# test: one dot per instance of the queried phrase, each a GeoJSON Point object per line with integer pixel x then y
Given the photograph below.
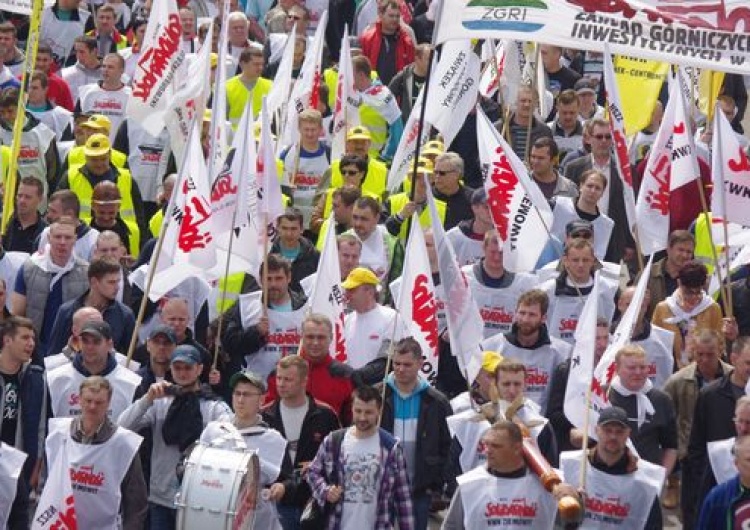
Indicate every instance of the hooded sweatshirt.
{"type": "Point", "coordinates": [405, 419]}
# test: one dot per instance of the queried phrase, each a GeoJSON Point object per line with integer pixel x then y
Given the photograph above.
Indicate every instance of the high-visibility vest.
{"type": "Point", "coordinates": [154, 224]}
{"type": "Point", "coordinates": [399, 200]}
{"type": "Point", "coordinates": [77, 158]}
{"type": "Point", "coordinates": [703, 252]}
{"type": "Point", "coordinates": [375, 181]}
{"type": "Point", "coordinates": [81, 186]}
{"type": "Point", "coordinates": [238, 94]}
{"type": "Point", "coordinates": [233, 286]}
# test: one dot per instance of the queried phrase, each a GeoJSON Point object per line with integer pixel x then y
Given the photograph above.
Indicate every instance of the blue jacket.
{"type": "Point", "coordinates": [119, 317]}
{"type": "Point", "coordinates": [716, 512]}
{"type": "Point", "coordinates": [32, 414]}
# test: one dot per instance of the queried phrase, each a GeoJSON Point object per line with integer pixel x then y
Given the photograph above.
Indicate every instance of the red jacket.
{"type": "Point", "coordinates": [373, 36]}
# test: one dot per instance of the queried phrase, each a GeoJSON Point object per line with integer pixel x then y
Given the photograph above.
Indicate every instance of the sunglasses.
{"type": "Point", "coordinates": [603, 136]}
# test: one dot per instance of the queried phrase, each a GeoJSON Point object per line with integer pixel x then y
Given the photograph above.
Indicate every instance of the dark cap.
{"type": "Point", "coordinates": [97, 328]}
{"type": "Point", "coordinates": [186, 354]}
{"type": "Point", "coordinates": [586, 84]}
{"type": "Point", "coordinates": [248, 377]}
{"type": "Point", "coordinates": [579, 225]}
{"type": "Point", "coordinates": [164, 330]}
{"type": "Point", "coordinates": [613, 415]}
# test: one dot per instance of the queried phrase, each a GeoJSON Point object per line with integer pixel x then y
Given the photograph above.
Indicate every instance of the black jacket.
{"type": "Point", "coordinates": [433, 439]}
{"type": "Point", "coordinates": [305, 264]}
{"type": "Point", "coordinates": [319, 421]}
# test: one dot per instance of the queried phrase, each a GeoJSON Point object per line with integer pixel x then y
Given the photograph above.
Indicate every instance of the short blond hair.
{"type": "Point", "coordinates": [96, 383]}
{"type": "Point", "coordinates": [630, 350]}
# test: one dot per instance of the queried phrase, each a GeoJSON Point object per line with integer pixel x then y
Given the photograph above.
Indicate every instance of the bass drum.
{"type": "Point", "coordinates": [219, 490]}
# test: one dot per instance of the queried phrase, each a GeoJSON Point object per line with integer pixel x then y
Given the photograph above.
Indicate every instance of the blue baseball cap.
{"type": "Point", "coordinates": [186, 354]}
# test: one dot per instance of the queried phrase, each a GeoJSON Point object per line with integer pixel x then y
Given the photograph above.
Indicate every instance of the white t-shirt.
{"type": "Point", "coordinates": [365, 333]}
{"type": "Point", "coordinates": [362, 475]}
{"type": "Point", "coordinates": [292, 418]}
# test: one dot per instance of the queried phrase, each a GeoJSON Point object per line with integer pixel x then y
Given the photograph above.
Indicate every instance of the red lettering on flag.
{"type": "Point", "coordinates": [154, 60]}
{"type": "Point", "coordinates": [500, 194]}
{"type": "Point", "coordinates": [424, 310]}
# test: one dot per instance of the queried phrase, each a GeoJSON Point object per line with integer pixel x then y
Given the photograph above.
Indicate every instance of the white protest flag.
{"type": "Point", "coordinates": [417, 302]}
{"type": "Point", "coordinates": [582, 365]}
{"type": "Point", "coordinates": [161, 56]}
{"type": "Point", "coordinates": [453, 89]}
{"type": "Point", "coordinates": [652, 206]}
{"type": "Point", "coordinates": [544, 96]}
{"type": "Point", "coordinates": [56, 509]}
{"type": "Point", "coordinates": [684, 161]}
{"type": "Point", "coordinates": [511, 76]}
{"type": "Point", "coordinates": [519, 210]}
{"type": "Point", "coordinates": [494, 56]}
{"type": "Point", "coordinates": [328, 296]}
{"type": "Point", "coordinates": [465, 324]}
{"type": "Point", "coordinates": [605, 370]}
{"type": "Point", "coordinates": [305, 91]}
{"type": "Point", "coordinates": [619, 137]}
{"type": "Point", "coordinates": [218, 148]}
{"type": "Point", "coordinates": [407, 146]}
{"type": "Point", "coordinates": [236, 185]}
{"type": "Point", "coordinates": [22, 7]}
{"type": "Point", "coordinates": [271, 204]}
{"type": "Point", "coordinates": [189, 100]}
{"type": "Point", "coordinates": [188, 248]}
{"type": "Point", "coordinates": [730, 168]}
{"type": "Point", "coordinates": [346, 109]}
{"type": "Point", "coordinates": [282, 81]}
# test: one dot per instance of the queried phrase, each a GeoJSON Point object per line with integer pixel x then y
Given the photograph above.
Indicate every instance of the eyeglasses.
{"type": "Point", "coordinates": [602, 136]}
{"type": "Point", "coordinates": [244, 395]}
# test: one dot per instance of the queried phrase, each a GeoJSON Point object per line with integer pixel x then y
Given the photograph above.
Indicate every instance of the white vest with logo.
{"type": "Point", "coordinates": [722, 461]}
{"type": "Point", "coordinates": [498, 306]}
{"type": "Point", "coordinates": [147, 159]}
{"type": "Point", "coordinates": [540, 364]}
{"type": "Point", "coordinates": [492, 502]}
{"type": "Point", "coordinates": [65, 381]}
{"type": "Point", "coordinates": [615, 501]}
{"type": "Point", "coordinates": [60, 35]}
{"type": "Point", "coordinates": [31, 155]}
{"type": "Point", "coordinates": [11, 465]}
{"type": "Point", "coordinates": [658, 347]}
{"type": "Point", "coordinates": [565, 212]}
{"type": "Point", "coordinates": [305, 182]}
{"type": "Point", "coordinates": [96, 472]}
{"type": "Point", "coordinates": [564, 311]}
{"type": "Point", "coordinates": [111, 103]}
{"type": "Point", "coordinates": [468, 251]}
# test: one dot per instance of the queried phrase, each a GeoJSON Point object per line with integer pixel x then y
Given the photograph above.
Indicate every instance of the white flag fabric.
{"type": "Point", "coordinates": [236, 184]}
{"type": "Point", "coordinates": [494, 57]}
{"type": "Point", "coordinates": [519, 210]}
{"type": "Point", "coordinates": [582, 365]}
{"type": "Point", "coordinates": [272, 202]}
{"type": "Point", "coordinates": [282, 81]}
{"type": "Point", "coordinates": [619, 137]}
{"type": "Point", "coordinates": [511, 76]}
{"type": "Point", "coordinates": [652, 207]}
{"type": "Point", "coordinates": [189, 100]}
{"type": "Point", "coordinates": [305, 91]}
{"type": "Point", "coordinates": [453, 88]}
{"type": "Point", "coordinates": [218, 148]}
{"type": "Point", "coordinates": [684, 161]}
{"type": "Point", "coordinates": [465, 324]}
{"type": "Point", "coordinates": [605, 370]}
{"type": "Point", "coordinates": [417, 302]}
{"type": "Point", "coordinates": [11, 467]}
{"type": "Point", "coordinates": [407, 146]}
{"type": "Point", "coordinates": [188, 248]}
{"type": "Point", "coordinates": [327, 297]}
{"type": "Point", "coordinates": [730, 169]}
{"type": "Point", "coordinates": [56, 509]}
{"type": "Point", "coordinates": [346, 109]}
{"type": "Point", "coordinates": [161, 56]}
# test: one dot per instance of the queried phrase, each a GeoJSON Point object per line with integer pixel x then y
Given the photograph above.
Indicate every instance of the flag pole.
{"type": "Point", "coordinates": [534, 88]}
{"type": "Point", "coordinates": [11, 179]}
{"type": "Point", "coordinates": [223, 297]}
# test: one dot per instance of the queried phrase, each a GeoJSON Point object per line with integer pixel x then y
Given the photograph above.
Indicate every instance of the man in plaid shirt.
{"type": "Point", "coordinates": [361, 472]}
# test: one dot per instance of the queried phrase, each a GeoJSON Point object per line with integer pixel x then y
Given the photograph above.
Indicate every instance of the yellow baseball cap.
{"type": "Point", "coordinates": [360, 276]}
{"type": "Point", "coordinates": [360, 132]}
{"type": "Point", "coordinates": [490, 360]}
{"type": "Point", "coordinates": [97, 145]}
{"type": "Point", "coordinates": [434, 147]}
{"type": "Point", "coordinates": [99, 122]}
{"type": "Point", "coordinates": [424, 165]}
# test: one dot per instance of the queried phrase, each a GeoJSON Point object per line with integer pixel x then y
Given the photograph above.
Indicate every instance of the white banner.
{"type": "Point", "coordinates": [519, 210]}
{"type": "Point", "coordinates": [407, 146]}
{"type": "Point", "coordinates": [417, 303]}
{"type": "Point", "coordinates": [22, 7]}
{"type": "Point", "coordinates": [346, 109]}
{"type": "Point", "coordinates": [453, 89]}
{"type": "Point", "coordinates": [714, 34]}
{"type": "Point", "coordinates": [161, 56]}
{"type": "Point", "coordinates": [328, 296]}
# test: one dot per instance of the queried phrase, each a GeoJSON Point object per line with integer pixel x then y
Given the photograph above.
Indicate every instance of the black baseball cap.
{"type": "Point", "coordinates": [98, 329]}
{"type": "Point", "coordinates": [613, 415]}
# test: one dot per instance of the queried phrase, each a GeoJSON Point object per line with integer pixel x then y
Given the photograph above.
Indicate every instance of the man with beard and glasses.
{"type": "Point", "coordinates": [531, 343]}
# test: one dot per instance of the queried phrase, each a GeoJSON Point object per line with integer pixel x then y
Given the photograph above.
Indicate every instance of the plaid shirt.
{"type": "Point", "coordinates": [394, 496]}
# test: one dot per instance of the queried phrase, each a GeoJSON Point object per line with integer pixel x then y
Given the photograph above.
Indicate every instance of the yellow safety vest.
{"type": "Point", "coordinates": [81, 186]}
{"type": "Point", "coordinates": [378, 127]}
{"type": "Point", "coordinates": [331, 79]}
{"type": "Point", "coordinates": [134, 238]}
{"type": "Point", "coordinates": [77, 159]}
{"type": "Point", "coordinates": [375, 181]}
{"type": "Point", "coordinates": [399, 200]}
{"type": "Point", "coordinates": [238, 94]}
{"type": "Point", "coordinates": [233, 286]}
{"type": "Point", "coordinates": [702, 250]}
{"type": "Point", "coordinates": [154, 224]}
